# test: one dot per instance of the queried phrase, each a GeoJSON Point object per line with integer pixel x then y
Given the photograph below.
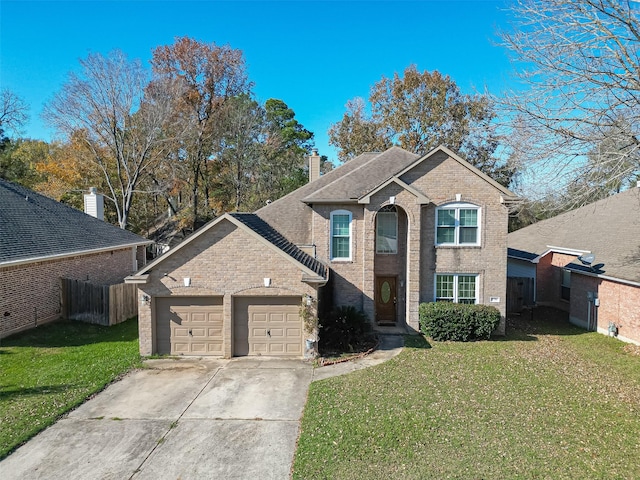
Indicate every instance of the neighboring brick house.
{"type": "Point", "coordinates": [41, 241]}
{"type": "Point", "coordinates": [587, 262]}
{"type": "Point", "coordinates": [383, 232]}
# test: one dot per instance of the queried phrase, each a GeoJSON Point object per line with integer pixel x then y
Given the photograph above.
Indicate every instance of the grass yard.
{"type": "Point", "coordinates": [47, 371]}
{"type": "Point", "coordinates": [548, 401]}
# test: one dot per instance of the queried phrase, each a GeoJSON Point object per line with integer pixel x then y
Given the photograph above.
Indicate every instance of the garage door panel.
{"type": "Point", "coordinates": [193, 325]}
{"type": "Point", "coordinates": [267, 326]}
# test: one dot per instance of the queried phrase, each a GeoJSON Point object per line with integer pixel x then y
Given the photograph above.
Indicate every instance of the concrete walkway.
{"type": "Point", "coordinates": [190, 418]}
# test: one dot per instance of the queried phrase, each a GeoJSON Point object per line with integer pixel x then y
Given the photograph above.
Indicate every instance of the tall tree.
{"type": "Point", "coordinates": [207, 75]}
{"type": "Point", "coordinates": [238, 154]}
{"type": "Point", "coordinates": [286, 145]}
{"type": "Point", "coordinates": [13, 112]}
{"type": "Point", "coordinates": [104, 107]}
{"type": "Point", "coordinates": [577, 119]}
{"type": "Point", "coordinates": [419, 111]}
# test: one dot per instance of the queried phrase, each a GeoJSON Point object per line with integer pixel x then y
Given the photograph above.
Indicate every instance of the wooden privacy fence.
{"type": "Point", "coordinates": [101, 304]}
{"type": "Point", "coordinates": [520, 293]}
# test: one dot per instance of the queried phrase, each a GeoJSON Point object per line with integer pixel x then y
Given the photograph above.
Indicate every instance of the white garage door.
{"type": "Point", "coordinates": [189, 325]}
{"type": "Point", "coordinates": [269, 326]}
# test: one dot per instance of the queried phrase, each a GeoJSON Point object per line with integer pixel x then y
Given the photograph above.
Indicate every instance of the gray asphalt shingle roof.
{"type": "Point", "coordinates": [33, 226]}
{"type": "Point", "coordinates": [266, 231]}
{"type": "Point", "coordinates": [609, 228]}
{"type": "Point", "coordinates": [366, 177]}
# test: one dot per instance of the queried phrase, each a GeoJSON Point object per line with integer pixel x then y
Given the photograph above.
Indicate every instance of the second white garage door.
{"type": "Point", "coordinates": [269, 326]}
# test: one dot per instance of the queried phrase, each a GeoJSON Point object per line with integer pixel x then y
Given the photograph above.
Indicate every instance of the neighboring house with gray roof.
{"type": "Point", "coordinates": [383, 232]}
{"type": "Point", "coordinates": [587, 262]}
{"type": "Point", "coordinates": [41, 241]}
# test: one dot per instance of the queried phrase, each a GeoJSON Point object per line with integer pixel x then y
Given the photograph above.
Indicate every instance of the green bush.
{"type": "Point", "coordinates": [343, 329]}
{"type": "Point", "coordinates": [458, 322]}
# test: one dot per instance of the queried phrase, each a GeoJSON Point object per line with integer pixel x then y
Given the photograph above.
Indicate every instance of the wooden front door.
{"type": "Point", "coordinates": [386, 299]}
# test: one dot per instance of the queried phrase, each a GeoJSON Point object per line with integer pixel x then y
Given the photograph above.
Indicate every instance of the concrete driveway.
{"type": "Point", "coordinates": [179, 419]}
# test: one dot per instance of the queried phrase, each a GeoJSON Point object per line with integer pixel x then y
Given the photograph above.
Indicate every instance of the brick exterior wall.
{"type": "Point", "coordinates": [549, 280]}
{"type": "Point", "coordinates": [618, 304]}
{"type": "Point", "coordinates": [440, 178]}
{"type": "Point", "coordinates": [30, 293]}
{"type": "Point", "coordinates": [225, 261]}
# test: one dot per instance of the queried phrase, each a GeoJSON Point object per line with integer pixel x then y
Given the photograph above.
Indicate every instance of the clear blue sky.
{"type": "Point", "coordinates": [312, 55]}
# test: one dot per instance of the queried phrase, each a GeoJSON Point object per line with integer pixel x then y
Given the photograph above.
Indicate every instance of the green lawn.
{"type": "Point", "coordinates": [47, 371]}
{"type": "Point", "coordinates": [548, 401]}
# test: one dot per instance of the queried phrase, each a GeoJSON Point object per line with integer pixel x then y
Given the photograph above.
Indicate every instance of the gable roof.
{"type": "Point", "coordinates": [353, 182]}
{"type": "Point", "coordinates": [508, 194]}
{"type": "Point", "coordinates": [608, 228]}
{"type": "Point", "coordinates": [35, 228]}
{"type": "Point", "coordinates": [259, 229]}
{"type": "Point", "coordinates": [358, 182]}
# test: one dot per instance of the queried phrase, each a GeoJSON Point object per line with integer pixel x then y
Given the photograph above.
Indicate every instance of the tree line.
{"type": "Point", "coordinates": [190, 137]}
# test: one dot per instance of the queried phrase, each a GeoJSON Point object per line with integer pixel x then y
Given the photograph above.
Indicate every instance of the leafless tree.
{"type": "Point", "coordinates": [105, 105]}
{"type": "Point", "coordinates": [575, 124]}
{"type": "Point", "coordinates": [13, 113]}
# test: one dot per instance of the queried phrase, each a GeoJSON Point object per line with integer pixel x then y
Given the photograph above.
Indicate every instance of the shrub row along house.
{"type": "Point", "coordinates": [586, 262]}
{"type": "Point", "coordinates": [42, 241]}
{"type": "Point", "coordinates": [383, 232]}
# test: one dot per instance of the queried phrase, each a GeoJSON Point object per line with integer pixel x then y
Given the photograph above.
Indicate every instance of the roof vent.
{"type": "Point", "coordinates": [94, 204]}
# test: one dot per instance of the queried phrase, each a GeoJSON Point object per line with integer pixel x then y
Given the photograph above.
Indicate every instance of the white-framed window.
{"type": "Point", "coordinates": [458, 288]}
{"type": "Point", "coordinates": [565, 287]}
{"type": "Point", "coordinates": [458, 224]}
{"type": "Point", "coordinates": [387, 230]}
{"type": "Point", "coordinates": [340, 245]}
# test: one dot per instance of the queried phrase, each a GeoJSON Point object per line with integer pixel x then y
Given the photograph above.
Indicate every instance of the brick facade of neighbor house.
{"type": "Point", "coordinates": [596, 248]}
{"type": "Point", "coordinates": [617, 303]}
{"type": "Point", "coordinates": [42, 241]}
{"type": "Point", "coordinates": [30, 293]}
{"type": "Point", "coordinates": [549, 279]}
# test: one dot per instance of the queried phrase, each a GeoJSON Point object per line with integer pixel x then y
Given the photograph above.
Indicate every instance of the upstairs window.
{"type": "Point", "coordinates": [458, 224]}
{"type": "Point", "coordinates": [387, 230]}
{"type": "Point", "coordinates": [457, 288]}
{"type": "Point", "coordinates": [340, 235]}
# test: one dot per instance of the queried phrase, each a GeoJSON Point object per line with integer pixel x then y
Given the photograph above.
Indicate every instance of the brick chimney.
{"type": "Point", "coordinates": [94, 204]}
{"type": "Point", "coordinates": [314, 165]}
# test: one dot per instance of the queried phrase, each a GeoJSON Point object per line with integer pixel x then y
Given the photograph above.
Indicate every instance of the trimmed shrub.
{"type": "Point", "coordinates": [458, 322]}
{"type": "Point", "coordinates": [343, 329]}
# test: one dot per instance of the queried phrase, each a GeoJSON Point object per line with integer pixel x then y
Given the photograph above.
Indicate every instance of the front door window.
{"type": "Point", "coordinates": [386, 300]}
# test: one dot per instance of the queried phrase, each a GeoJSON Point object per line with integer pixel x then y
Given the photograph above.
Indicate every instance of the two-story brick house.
{"type": "Point", "coordinates": [383, 232]}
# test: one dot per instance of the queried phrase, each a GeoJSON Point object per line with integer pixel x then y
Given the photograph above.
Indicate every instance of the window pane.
{"type": "Point", "coordinates": [447, 217]}
{"type": "Point", "coordinates": [468, 234]}
{"type": "Point", "coordinates": [341, 225]}
{"type": "Point", "coordinates": [466, 287]}
{"type": "Point", "coordinates": [446, 235]}
{"type": "Point", "coordinates": [387, 233]}
{"type": "Point", "coordinates": [340, 247]}
{"type": "Point", "coordinates": [468, 218]}
{"type": "Point", "coordinates": [444, 287]}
